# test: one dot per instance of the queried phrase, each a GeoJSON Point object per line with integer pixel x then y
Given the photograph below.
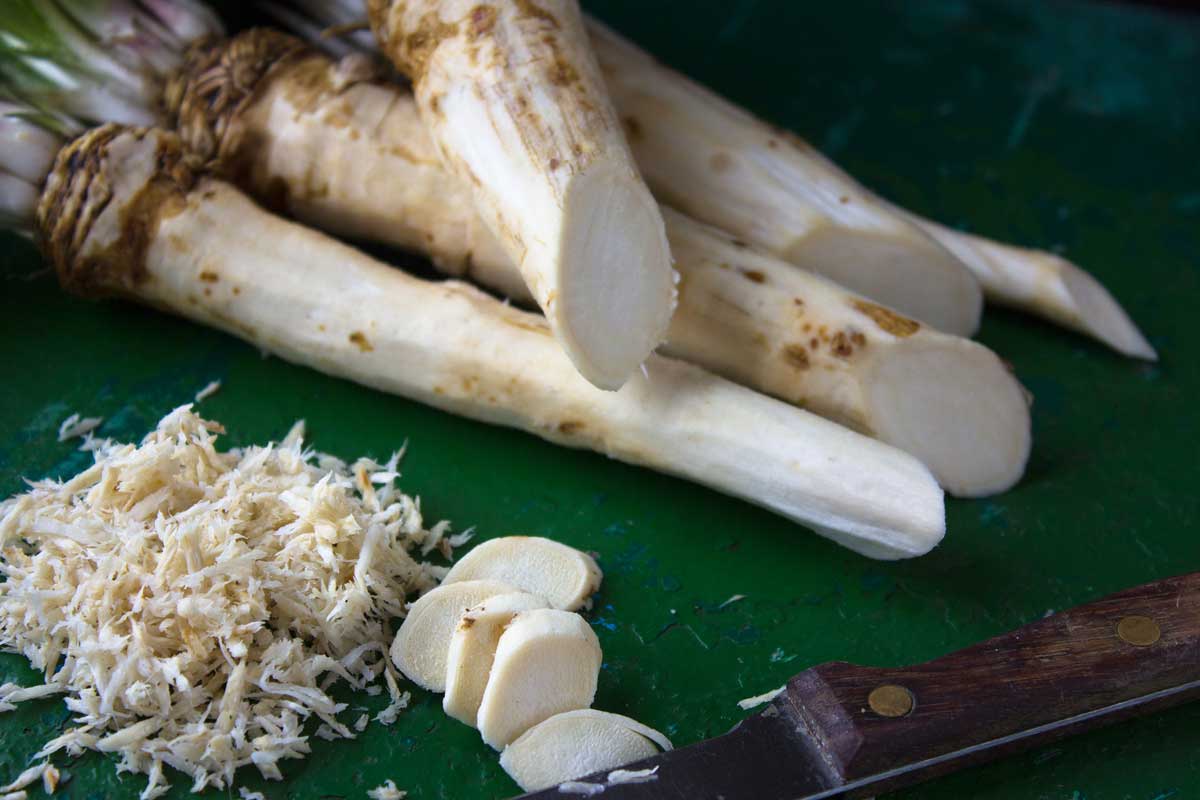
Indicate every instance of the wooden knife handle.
{"type": "Point", "coordinates": [1078, 662]}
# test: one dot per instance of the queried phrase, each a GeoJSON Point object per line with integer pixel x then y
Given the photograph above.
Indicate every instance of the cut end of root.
{"type": "Point", "coordinates": [957, 408]}
{"type": "Point", "coordinates": [616, 285]}
{"type": "Point", "coordinates": [905, 270]}
{"type": "Point", "coordinates": [1101, 316]}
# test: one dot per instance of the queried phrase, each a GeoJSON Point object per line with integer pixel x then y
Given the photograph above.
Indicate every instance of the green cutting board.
{"type": "Point", "coordinates": [1072, 126]}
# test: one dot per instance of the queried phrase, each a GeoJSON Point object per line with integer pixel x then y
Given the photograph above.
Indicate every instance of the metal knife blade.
{"type": "Point", "coordinates": [839, 730]}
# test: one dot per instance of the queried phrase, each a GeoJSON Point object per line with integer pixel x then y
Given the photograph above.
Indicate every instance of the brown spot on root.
{"type": "Point", "coordinates": [797, 302]}
{"type": "Point", "coordinates": [563, 72]}
{"type": "Point", "coordinates": [321, 328]}
{"type": "Point", "coordinates": [720, 162]}
{"type": "Point", "coordinates": [807, 327]}
{"type": "Point", "coordinates": [796, 356]}
{"type": "Point", "coordinates": [237, 290]}
{"type": "Point", "coordinates": [360, 341]}
{"type": "Point", "coordinates": [482, 20]}
{"type": "Point", "coordinates": [814, 343]}
{"type": "Point", "coordinates": [415, 49]}
{"type": "Point", "coordinates": [554, 163]}
{"type": "Point", "coordinates": [209, 276]}
{"type": "Point", "coordinates": [857, 339]}
{"type": "Point", "coordinates": [888, 320]}
{"type": "Point", "coordinates": [466, 623]}
{"type": "Point", "coordinates": [633, 128]}
{"type": "Point", "coordinates": [738, 243]}
{"type": "Point", "coordinates": [79, 189]}
{"type": "Point", "coordinates": [207, 292]}
{"type": "Point", "coordinates": [753, 275]}
{"type": "Point", "coordinates": [843, 199]}
{"type": "Point", "coordinates": [772, 143]}
{"type": "Point", "coordinates": [841, 346]}
{"type": "Point", "coordinates": [527, 8]}
{"type": "Point", "coordinates": [570, 426]}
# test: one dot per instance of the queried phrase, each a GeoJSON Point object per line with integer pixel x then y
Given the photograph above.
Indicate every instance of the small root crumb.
{"type": "Point", "coordinates": [211, 388]}
{"type": "Point", "coordinates": [387, 791]}
{"type": "Point", "coordinates": [632, 775]}
{"type": "Point", "coordinates": [73, 427]}
{"type": "Point", "coordinates": [758, 700]}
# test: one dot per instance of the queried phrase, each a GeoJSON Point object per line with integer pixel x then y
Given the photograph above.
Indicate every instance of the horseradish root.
{"type": "Point", "coordinates": [564, 576]}
{"type": "Point", "coordinates": [473, 647]}
{"type": "Point", "coordinates": [122, 214]}
{"type": "Point", "coordinates": [949, 401]}
{"type": "Point", "coordinates": [345, 152]}
{"type": "Point", "coordinates": [514, 100]}
{"type": "Point", "coordinates": [577, 743]}
{"type": "Point", "coordinates": [1047, 285]}
{"type": "Point", "coordinates": [547, 662]}
{"type": "Point", "coordinates": [423, 641]}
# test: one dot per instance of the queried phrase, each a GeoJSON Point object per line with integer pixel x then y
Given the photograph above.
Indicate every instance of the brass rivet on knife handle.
{"type": "Point", "coordinates": [1138, 630]}
{"type": "Point", "coordinates": [890, 700]}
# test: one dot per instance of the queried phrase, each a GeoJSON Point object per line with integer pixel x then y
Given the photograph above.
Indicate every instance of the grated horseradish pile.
{"type": "Point", "coordinates": [195, 606]}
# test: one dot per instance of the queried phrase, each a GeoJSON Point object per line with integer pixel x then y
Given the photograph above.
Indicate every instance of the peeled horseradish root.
{"type": "Point", "coordinates": [547, 661]}
{"type": "Point", "coordinates": [578, 743]}
{"type": "Point", "coordinates": [564, 576]}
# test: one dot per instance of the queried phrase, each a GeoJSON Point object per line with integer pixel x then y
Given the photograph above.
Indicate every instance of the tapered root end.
{"type": "Point", "coordinates": [905, 270]}
{"type": "Point", "coordinates": [1101, 316]}
{"type": "Point", "coordinates": [616, 287]}
{"type": "Point", "coordinates": [957, 408]}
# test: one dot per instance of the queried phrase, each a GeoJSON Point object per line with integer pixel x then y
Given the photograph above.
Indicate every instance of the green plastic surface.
{"type": "Point", "coordinates": [1066, 125]}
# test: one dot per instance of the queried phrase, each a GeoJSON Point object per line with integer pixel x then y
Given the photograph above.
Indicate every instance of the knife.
{"type": "Point", "coordinates": [841, 730]}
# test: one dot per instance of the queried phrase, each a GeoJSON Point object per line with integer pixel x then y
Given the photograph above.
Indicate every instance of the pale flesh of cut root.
{"type": "Point", "coordinates": [547, 662]}
{"type": "Point", "coordinates": [564, 576]}
{"type": "Point", "coordinates": [423, 641]}
{"type": "Point", "coordinates": [742, 314]}
{"type": "Point", "coordinates": [514, 100]}
{"type": "Point", "coordinates": [577, 743]}
{"type": "Point", "coordinates": [202, 250]}
{"type": "Point", "coordinates": [472, 648]}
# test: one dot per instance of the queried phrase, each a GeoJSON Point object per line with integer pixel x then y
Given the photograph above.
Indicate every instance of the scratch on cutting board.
{"type": "Point", "coordinates": [1041, 87]}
